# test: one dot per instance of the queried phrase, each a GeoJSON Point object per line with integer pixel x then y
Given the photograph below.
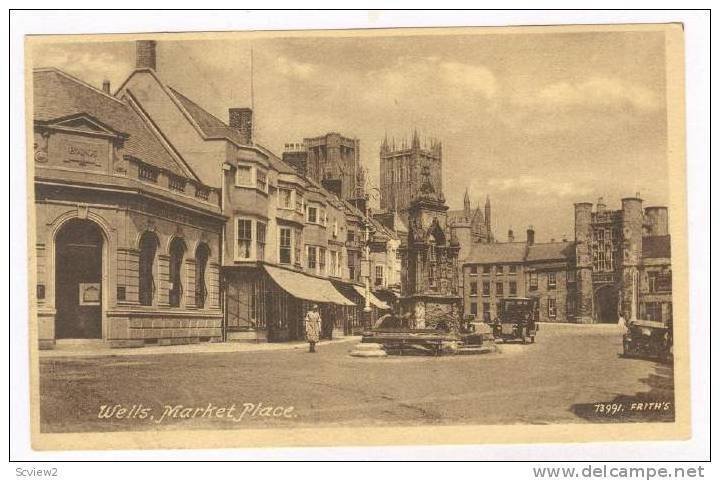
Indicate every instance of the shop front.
{"type": "Point", "coordinates": [269, 303]}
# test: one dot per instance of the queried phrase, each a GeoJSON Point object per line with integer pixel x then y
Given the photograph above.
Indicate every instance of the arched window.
{"type": "Point", "coordinates": [177, 255]}
{"type": "Point", "coordinates": [146, 286]}
{"type": "Point", "coordinates": [202, 253]}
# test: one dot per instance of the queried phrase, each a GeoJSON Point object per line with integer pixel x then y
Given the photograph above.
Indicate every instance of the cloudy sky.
{"type": "Point", "coordinates": [536, 121]}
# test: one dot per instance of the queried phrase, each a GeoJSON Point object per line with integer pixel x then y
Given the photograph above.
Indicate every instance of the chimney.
{"type": "Point", "coordinates": [511, 235]}
{"type": "Point", "coordinates": [106, 86]}
{"type": "Point", "coordinates": [241, 120]}
{"type": "Point", "coordinates": [530, 236]}
{"type": "Point", "coordinates": [145, 54]}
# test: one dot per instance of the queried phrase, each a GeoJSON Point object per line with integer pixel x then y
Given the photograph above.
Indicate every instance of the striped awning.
{"type": "Point", "coordinates": [306, 287]}
{"type": "Point", "coordinates": [373, 300]}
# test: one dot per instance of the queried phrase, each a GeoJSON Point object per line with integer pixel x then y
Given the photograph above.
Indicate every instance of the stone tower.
{"type": "Point", "coordinates": [583, 262]}
{"type": "Point", "coordinates": [400, 171]}
{"type": "Point", "coordinates": [466, 205]}
{"type": "Point", "coordinates": [488, 213]}
{"type": "Point", "coordinates": [632, 231]}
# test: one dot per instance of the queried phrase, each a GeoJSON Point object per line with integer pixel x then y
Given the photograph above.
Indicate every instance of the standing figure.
{"type": "Point", "coordinates": [313, 324]}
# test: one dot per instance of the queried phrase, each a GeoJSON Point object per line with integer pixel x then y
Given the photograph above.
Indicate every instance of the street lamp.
{"type": "Point", "coordinates": [366, 253]}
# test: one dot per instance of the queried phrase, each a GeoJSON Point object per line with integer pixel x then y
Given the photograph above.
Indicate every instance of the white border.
{"type": "Point", "coordinates": [697, 25]}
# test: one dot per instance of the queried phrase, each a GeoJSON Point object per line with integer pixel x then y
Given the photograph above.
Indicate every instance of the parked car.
{"type": "Point", "coordinates": [648, 339]}
{"type": "Point", "coordinates": [517, 320]}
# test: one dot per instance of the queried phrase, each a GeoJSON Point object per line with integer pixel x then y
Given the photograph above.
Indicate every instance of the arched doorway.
{"type": "Point", "coordinates": [78, 280]}
{"type": "Point", "coordinates": [606, 304]}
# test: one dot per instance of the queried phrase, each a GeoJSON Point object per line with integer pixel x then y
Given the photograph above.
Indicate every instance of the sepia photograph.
{"type": "Point", "coordinates": [343, 237]}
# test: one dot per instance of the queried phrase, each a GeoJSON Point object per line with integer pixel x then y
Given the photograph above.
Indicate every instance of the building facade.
{"type": "Point", "coordinates": [184, 214]}
{"type": "Point", "coordinates": [618, 264]}
{"type": "Point", "coordinates": [623, 262]}
{"type": "Point", "coordinates": [332, 160]}
{"type": "Point", "coordinates": [477, 220]}
{"type": "Point", "coordinates": [127, 234]}
{"type": "Point", "coordinates": [401, 168]}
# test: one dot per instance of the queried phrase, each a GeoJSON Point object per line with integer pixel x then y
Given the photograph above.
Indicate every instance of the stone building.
{"type": "Point", "coordinates": [491, 272]}
{"type": "Point", "coordinates": [619, 259]}
{"type": "Point", "coordinates": [193, 215]}
{"type": "Point", "coordinates": [127, 231]}
{"type": "Point", "coordinates": [430, 285]}
{"type": "Point", "coordinates": [332, 160]}
{"type": "Point", "coordinates": [477, 220]}
{"type": "Point", "coordinates": [401, 168]}
{"type": "Point", "coordinates": [622, 261]}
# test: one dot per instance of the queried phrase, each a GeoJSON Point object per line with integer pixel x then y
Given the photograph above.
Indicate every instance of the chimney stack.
{"type": "Point", "coordinates": [145, 54]}
{"type": "Point", "coordinates": [106, 86]}
{"type": "Point", "coordinates": [530, 236]}
{"type": "Point", "coordinates": [511, 235]}
{"type": "Point", "coordinates": [241, 120]}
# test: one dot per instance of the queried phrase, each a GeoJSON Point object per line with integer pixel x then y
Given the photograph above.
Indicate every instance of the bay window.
{"type": "Point", "coordinates": [312, 257]}
{"type": "Point", "coordinates": [322, 258]}
{"type": "Point", "coordinates": [260, 231]}
{"type": "Point", "coordinates": [285, 245]}
{"type": "Point", "coordinates": [243, 176]}
{"type": "Point", "coordinates": [243, 248]}
{"type": "Point", "coordinates": [312, 215]}
{"type": "Point", "coordinates": [261, 180]}
{"type": "Point", "coordinates": [285, 198]}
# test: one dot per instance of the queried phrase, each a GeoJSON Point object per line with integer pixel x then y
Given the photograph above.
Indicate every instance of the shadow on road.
{"type": "Point", "coordinates": [655, 405]}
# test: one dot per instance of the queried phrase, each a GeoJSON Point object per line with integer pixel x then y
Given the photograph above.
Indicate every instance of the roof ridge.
{"type": "Point", "coordinates": [176, 92]}
{"type": "Point", "coordinates": [77, 80]}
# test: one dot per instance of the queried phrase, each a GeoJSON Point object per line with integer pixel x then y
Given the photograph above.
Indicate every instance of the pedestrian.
{"type": "Point", "coordinates": [622, 325]}
{"type": "Point", "coordinates": [313, 324]}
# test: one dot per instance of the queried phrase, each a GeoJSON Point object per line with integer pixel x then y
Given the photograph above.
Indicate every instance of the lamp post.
{"type": "Point", "coordinates": [366, 253]}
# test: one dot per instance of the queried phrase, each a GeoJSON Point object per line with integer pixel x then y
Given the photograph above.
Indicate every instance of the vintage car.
{"type": "Point", "coordinates": [648, 339]}
{"type": "Point", "coordinates": [517, 320]}
{"type": "Point", "coordinates": [398, 337]}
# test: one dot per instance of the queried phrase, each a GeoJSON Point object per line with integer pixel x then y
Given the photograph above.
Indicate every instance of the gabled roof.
{"type": "Point", "coordinates": [211, 126]}
{"type": "Point", "coordinates": [656, 246]}
{"type": "Point", "coordinates": [57, 95]}
{"type": "Point", "coordinates": [551, 251]}
{"type": "Point", "coordinates": [497, 253]}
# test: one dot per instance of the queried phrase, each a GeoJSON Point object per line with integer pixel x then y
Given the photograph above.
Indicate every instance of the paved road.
{"type": "Point", "coordinates": [557, 379]}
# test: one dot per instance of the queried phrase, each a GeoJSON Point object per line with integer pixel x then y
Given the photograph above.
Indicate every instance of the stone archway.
{"type": "Point", "coordinates": [79, 247]}
{"type": "Point", "coordinates": [606, 304]}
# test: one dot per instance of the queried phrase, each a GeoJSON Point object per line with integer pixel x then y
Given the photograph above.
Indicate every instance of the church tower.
{"type": "Point", "coordinates": [466, 202]}
{"type": "Point", "coordinates": [488, 219]}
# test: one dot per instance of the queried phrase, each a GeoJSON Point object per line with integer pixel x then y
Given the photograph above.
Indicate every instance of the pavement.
{"type": "Point", "coordinates": [96, 348]}
{"type": "Point", "coordinates": [562, 378]}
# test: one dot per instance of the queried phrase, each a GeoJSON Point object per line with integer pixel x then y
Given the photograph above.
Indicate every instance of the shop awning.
{"type": "Point", "coordinates": [373, 300]}
{"type": "Point", "coordinates": [307, 287]}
